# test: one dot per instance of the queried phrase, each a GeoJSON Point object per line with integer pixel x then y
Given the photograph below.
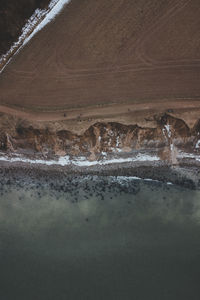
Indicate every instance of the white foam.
{"type": "Point", "coordinates": [188, 155]}
{"type": "Point", "coordinates": [80, 161]}
{"type": "Point", "coordinates": [57, 8]}
{"type": "Point", "coordinates": [139, 157]}
{"type": "Point", "coordinates": [125, 179]}
{"type": "Point", "coordinates": [61, 162]}
{"type": "Point", "coordinates": [39, 19]}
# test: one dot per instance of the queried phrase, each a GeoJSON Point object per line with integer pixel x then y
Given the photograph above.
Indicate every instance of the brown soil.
{"type": "Point", "coordinates": [131, 53]}
{"type": "Point", "coordinates": [78, 120]}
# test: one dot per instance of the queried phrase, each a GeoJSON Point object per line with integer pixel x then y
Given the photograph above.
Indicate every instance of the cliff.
{"type": "Point", "coordinates": [169, 135]}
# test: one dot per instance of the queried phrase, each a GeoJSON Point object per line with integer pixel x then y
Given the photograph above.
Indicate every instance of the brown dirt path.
{"type": "Point", "coordinates": [79, 119]}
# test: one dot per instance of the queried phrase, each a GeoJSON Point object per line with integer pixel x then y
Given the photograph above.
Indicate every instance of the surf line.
{"type": "Point", "coordinates": [39, 19]}
{"type": "Point", "coordinates": [81, 161]}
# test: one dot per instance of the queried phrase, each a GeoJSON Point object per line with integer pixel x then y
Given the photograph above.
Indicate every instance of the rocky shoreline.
{"type": "Point", "coordinates": [186, 174]}
{"type": "Point", "coordinates": [167, 152]}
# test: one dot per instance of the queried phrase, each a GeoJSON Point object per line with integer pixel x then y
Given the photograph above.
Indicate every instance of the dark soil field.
{"type": "Point", "coordinates": [105, 52]}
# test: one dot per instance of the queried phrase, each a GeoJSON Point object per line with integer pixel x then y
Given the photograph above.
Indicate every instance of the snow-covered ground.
{"type": "Point", "coordinates": [39, 19]}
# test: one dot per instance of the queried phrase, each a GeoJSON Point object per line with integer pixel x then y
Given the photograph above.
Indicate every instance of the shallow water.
{"type": "Point", "coordinates": [99, 238]}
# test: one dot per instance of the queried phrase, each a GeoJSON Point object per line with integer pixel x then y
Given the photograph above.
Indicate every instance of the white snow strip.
{"type": "Point", "coordinates": [81, 161]}
{"type": "Point", "coordinates": [39, 19]}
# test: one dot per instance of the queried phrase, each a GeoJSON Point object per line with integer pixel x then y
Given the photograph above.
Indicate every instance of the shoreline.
{"type": "Point", "coordinates": [186, 174]}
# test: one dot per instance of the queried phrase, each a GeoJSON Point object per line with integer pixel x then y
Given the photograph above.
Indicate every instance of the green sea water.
{"type": "Point", "coordinates": [99, 238]}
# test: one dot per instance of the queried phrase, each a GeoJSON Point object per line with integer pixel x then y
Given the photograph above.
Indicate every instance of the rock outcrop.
{"type": "Point", "coordinates": [167, 136]}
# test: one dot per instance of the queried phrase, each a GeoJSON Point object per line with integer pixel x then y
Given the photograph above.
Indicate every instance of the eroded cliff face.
{"type": "Point", "coordinates": [168, 135]}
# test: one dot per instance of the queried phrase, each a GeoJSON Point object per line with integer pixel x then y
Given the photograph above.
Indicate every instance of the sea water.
{"type": "Point", "coordinates": [99, 238]}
